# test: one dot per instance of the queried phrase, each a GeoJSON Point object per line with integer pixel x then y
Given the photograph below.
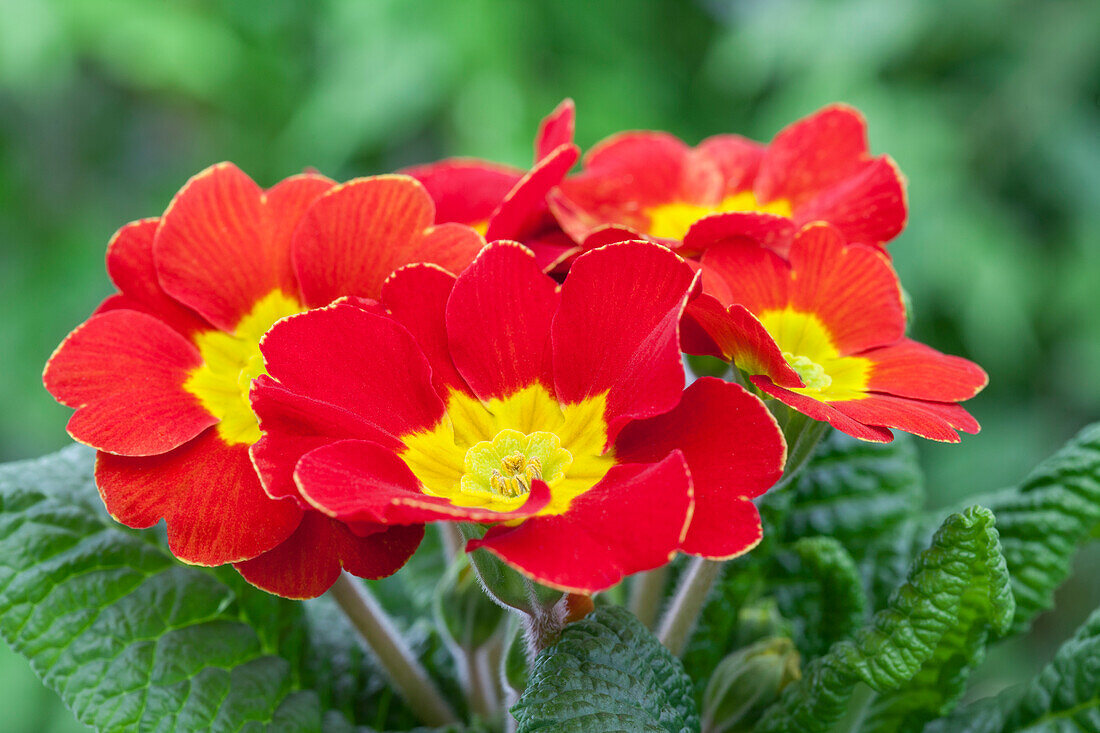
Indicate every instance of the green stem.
{"type": "Point", "coordinates": [451, 538]}
{"type": "Point", "coordinates": [481, 688]}
{"type": "Point", "coordinates": [647, 593]}
{"type": "Point", "coordinates": [680, 618]}
{"type": "Point", "coordinates": [382, 638]}
{"type": "Point", "coordinates": [803, 434]}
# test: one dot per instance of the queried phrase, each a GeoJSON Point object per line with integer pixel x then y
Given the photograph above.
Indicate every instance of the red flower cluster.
{"type": "Point", "coordinates": [297, 380]}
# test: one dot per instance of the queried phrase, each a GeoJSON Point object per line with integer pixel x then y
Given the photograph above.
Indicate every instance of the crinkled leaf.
{"type": "Point", "coordinates": [854, 491]}
{"type": "Point", "coordinates": [817, 587]}
{"type": "Point", "coordinates": [957, 583]}
{"type": "Point", "coordinates": [863, 495]}
{"type": "Point", "coordinates": [1042, 523]}
{"type": "Point", "coordinates": [1046, 519]}
{"type": "Point", "coordinates": [607, 673]}
{"type": "Point", "coordinates": [129, 638]}
{"type": "Point", "coordinates": [1065, 696]}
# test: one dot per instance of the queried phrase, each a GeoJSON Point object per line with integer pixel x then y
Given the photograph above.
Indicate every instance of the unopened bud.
{"type": "Point", "coordinates": [747, 682]}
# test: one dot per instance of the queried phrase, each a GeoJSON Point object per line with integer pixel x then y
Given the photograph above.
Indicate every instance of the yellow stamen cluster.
{"type": "Point", "coordinates": [515, 475]}
{"type": "Point", "coordinates": [813, 374]}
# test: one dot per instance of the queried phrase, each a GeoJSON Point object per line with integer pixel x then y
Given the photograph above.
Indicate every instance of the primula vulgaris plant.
{"type": "Point", "coordinates": [300, 380]}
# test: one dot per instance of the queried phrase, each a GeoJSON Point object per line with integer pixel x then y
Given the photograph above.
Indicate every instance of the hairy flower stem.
{"type": "Point", "coordinates": [680, 618]}
{"type": "Point", "coordinates": [646, 594]}
{"type": "Point", "coordinates": [405, 672]}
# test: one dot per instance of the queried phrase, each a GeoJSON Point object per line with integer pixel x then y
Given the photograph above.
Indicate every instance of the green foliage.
{"type": "Point", "coordinates": [747, 682]}
{"type": "Point", "coordinates": [957, 589]}
{"type": "Point", "coordinates": [855, 492]}
{"type": "Point", "coordinates": [817, 587]}
{"type": "Point", "coordinates": [607, 673]}
{"type": "Point", "coordinates": [1064, 697]}
{"type": "Point", "coordinates": [1046, 519]}
{"type": "Point", "coordinates": [128, 637]}
{"type": "Point", "coordinates": [131, 639]}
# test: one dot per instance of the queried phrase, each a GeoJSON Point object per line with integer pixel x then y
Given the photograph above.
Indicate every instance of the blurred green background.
{"type": "Point", "coordinates": [992, 110]}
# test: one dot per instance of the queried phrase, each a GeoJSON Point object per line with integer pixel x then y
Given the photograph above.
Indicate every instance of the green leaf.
{"type": "Point", "coordinates": [817, 587]}
{"type": "Point", "coordinates": [129, 638]}
{"type": "Point", "coordinates": [1065, 696]}
{"type": "Point", "coordinates": [1046, 519]}
{"type": "Point", "coordinates": [956, 587]}
{"type": "Point", "coordinates": [854, 492]}
{"type": "Point", "coordinates": [607, 673]}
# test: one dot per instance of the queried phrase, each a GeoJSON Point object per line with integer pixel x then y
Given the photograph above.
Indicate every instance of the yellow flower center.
{"type": "Point", "coordinates": [486, 454]}
{"type": "Point", "coordinates": [813, 374]}
{"type": "Point", "coordinates": [808, 348]}
{"type": "Point", "coordinates": [672, 221]}
{"type": "Point", "coordinates": [506, 465]}
{"type": "Point", "coordinates": [231, 362]}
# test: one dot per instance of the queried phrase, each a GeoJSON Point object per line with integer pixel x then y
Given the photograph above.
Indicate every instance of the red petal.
{"type": "Point", "coordinates": [742, 339]}
{"type": "Point", "coordinates": [498, 322]}
{"type": "Point", "coordinates": [556, 129]}
{"type": "Point", "coordinates": [869, 207]}
{"type": "Point", "coordinates": [611, 234]}
{"type": "Point", "coordinates": [633, 520]}
{"type": "Point", "coordinates": [354, 236]}
{"type": "Point", "coordinates": [416, 296]}
{"type": "Point", "coordinates": [628, 173]}
{"type": "Point", "coordinates": [911, 369]}
{"type": "Point", "coordinates": [769, 230]}
{"type": "Point", "coordinates": [451, 246]}
{"type": "Point", "coordinates": [523, 210]}
{"type": "Point", "coordinates": [747, 274]}
{"type": "Point", "coordinates": [360, 482]}
{"type": "Point", "coordinates": [616, 330]}
{"type": "Point", "coordinates": [365, 363]}
{"type": "Point", "coordinates": [851, 288]}
{"type": "Point", "coordinates": [825, 412]}
{"type": "Point", "coordinates": [734, 450]}
{"type": "Point", "coordinates": [208, 494]}
{"type": "Point", "coordinates": [292, 426]}
{"type": "Point", "coordinates": [466, 191]}
{"type": "Point", "coordinates": [812, 154]}
{"type": "Point", "coordinates": [308, 562]}
{"type": "Point", "coordinates": [130, 265]}
{"type": "Point", "coordinates": [124, 372]}
{"type": "Point", "coordinates": [738, 159]}
{"type": "Point", "coordinates": [553, 250]}
{"type": "Point", "coordinates": [932, 420]}
{"type": "Point", "coordinates": [223, 244]}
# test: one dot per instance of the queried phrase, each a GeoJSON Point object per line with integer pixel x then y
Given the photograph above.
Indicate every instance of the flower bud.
{"type": "Point", "coordinates": [748, 681]}
{"type": "Point", "coordinates": [463, 612]}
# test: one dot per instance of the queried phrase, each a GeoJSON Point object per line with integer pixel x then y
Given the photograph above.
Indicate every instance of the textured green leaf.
{"type": "Point", "coordinates": [958, 583]}
{"type": "Point", "coordinates": [1046, 519]}
{"type": "Point", "coordinates": [607, 673]}
{"type": "Point", "coordinates": [818, 589]}
{"type": "Point", "coordinates": [854, 491]}
{"type": "Point", "coordinates": [131, 639]}
{"type": "Point", "coordinates": [1065, 696]}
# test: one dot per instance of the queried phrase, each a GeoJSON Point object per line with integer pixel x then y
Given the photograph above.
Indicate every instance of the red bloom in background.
{"type": "Point", "coordinates": [558, 415]}
{"type": "Point", "coordinates": [825, 333]}
{"type": "Point", "coordinates": [160, 374]}
{"type": "Point", "coordinates": [652, 185]}
{"type": "Point", "coordinates": [503, 202]}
